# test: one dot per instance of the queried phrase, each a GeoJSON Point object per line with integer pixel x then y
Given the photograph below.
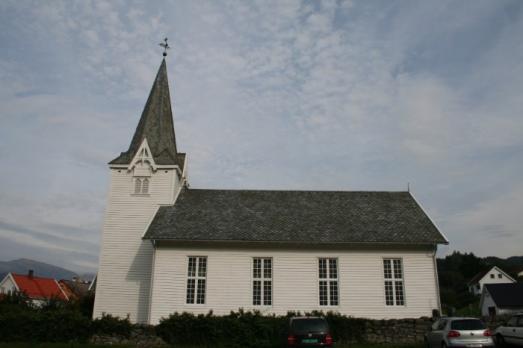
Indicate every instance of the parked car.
{"type": "Point", "coordinates": [512, 332]}
{"type": "Point", "coordinates": [309, 332]}
{"type": "Point", "coordinates": [459, 332]}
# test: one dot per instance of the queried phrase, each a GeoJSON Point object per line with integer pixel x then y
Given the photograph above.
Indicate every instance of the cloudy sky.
{"type": "Point", "coordinates": [329, 95]}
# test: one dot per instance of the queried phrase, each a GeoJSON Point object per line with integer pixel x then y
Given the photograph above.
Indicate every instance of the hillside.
{"type": "Point", "coordinates": [40, 269]}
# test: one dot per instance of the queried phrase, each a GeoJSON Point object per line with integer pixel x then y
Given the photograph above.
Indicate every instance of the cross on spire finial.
{"type": "Point", "coordinates": [165, 46]}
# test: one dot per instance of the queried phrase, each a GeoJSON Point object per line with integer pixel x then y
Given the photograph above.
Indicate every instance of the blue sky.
{"type": "Point", "coordinates": [330, 95]}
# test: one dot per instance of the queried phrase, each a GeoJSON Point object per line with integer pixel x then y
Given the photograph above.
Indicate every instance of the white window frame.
{"type": "Point", "coordinates": [138, 185]}
{"type": "Point", "coordinates": [328, 279]}
{"type": "Point", "coordinates": [197, 277]}
{"type": "Point", "coordinates": [394, 280]}
{"type": "Point", "coordinates": [263, 279]}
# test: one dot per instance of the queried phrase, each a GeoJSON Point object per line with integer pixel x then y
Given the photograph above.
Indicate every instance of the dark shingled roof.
{"type": "Point", "coordinates": [506, 295]}
{"type": "Point", "coordinates": [294, 216]}
{"type": "Point", "coordinates": [156, 124]}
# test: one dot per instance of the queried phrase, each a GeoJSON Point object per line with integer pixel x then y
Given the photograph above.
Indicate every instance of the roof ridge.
{"type": "Point", "coordinates": [297, 190]}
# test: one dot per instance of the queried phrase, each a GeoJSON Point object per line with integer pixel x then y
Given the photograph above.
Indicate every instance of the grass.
{"type": "Point", "coordinates": [88, 345]}
{"type": "Point", "coordinates": [60, 345]}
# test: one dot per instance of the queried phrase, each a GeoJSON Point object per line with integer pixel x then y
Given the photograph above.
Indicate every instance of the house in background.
{"type": "Point", "coordinates": [37, 289]}
{"type": "Point", "coordinates": [501, 299]}
{"type": "Point", "coordinates": [494, 275]}
{"type": "Point", "coordinates": [75, 288]}
{"type": "Point", "coordinates": [169, 248]}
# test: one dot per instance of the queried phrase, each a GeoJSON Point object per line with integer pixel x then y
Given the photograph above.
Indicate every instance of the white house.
{"type": "Point", "coordinates": [501, 299]}
{"type": "Point", "coordinates": [169, 248]}
{"type": "Point", "coordinates": [493, 275]}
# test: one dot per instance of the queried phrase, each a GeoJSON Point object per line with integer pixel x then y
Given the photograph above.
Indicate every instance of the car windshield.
{"type": "Point", "coordinates": [467, 324]}
{"type": "Point", "coordinates": [309, 325]}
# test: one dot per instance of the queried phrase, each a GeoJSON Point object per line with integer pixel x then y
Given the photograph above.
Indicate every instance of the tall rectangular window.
{"type": "Point", "coordinates": [328, 281]}
{"type": "Point", "coordinates": [141, 185]}
{"type": "Point", "coordinates": [196, 279]}
{"type": "Point", "coordinates": [262, 281]}
{"type": "Point", "coordinates": [393, 274]}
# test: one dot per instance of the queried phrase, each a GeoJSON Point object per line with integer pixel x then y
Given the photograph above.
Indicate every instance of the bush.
{"type": "Point", "coordinates": [108, 325]}
{"type": "Point", "coordinates": [43, 326]}
{"type": "Point", "coordinates": [238, 329]}
{"type": "Point", "coordinates": [247, 329]}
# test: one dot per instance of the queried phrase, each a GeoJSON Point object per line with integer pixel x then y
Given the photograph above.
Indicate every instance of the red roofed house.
{"type": "Point", "coordinates": [38, 289]}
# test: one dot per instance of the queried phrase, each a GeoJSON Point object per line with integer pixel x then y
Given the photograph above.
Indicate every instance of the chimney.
{"type": "Point", "coordinates": [31, 273]}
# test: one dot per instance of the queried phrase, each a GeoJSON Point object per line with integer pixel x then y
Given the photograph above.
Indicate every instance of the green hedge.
{"type": "Point", "coordinates": [54, 321]}
{"type": "Point", "coordinates": [247, 329]}
{"type": "Point", "coordinates": [67, 322]}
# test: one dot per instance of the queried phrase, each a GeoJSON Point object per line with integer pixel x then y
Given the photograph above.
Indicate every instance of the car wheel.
{"type": "Point", "coordinates": [500, 341]}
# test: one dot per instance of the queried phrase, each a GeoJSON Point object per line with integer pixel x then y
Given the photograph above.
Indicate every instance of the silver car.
{"type": "Point", "coordinates": [459, 332]}
{"type": "Point", "coordinates": [512, 332]}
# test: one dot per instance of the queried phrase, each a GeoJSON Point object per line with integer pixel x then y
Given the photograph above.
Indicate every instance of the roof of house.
{"type": "Point", "coordinates": [294, 216]}
{"type": "Point", "coordinates": [506, 295]}
{"type": "Point", "coordinates": [156, 124]}
{"type": "Point", "coordinates": [74, 289]}
{"type": "Point", "coordinates": [483, 273]}
{"type": "Point", "coordinates": [478, 276]}
{"type": "Point", "coordinates": [38, 287]}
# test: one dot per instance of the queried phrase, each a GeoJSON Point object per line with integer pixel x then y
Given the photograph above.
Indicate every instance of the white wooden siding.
{"type": "Point", "coordinates": [7, 285]}
{"type": "Point", "coordinates": [295, 281]}
{"type": "Point", "coordinates": [124, 274]}
{"type": "Point", "coordinates": [486, 279]}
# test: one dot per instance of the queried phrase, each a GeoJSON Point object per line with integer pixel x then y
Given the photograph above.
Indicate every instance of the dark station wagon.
{"type": "Point", "coordinates": [309, 332]}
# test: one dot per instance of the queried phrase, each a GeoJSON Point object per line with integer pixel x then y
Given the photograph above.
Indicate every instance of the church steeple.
{"type": "Point", "coordinates": [156, 125]}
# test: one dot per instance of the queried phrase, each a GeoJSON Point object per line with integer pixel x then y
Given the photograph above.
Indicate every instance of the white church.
{"type": "Point", "coordinates": [169, 248]}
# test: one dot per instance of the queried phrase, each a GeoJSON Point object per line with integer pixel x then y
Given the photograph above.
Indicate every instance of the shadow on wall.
{"type": "Point", "coordinates": [140, 272]}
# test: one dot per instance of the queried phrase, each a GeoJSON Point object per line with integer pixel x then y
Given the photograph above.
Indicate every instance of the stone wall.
{"type": "Point", "coordinates": [396, 330]}
{"type": "Point", "coordinates": [141, 336]}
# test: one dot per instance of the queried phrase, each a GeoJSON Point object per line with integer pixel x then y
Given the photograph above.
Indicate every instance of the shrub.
{"type": "Point", "coordinates": [108, 325]}
{"type": "Point", "coordinates": [238, 329]}
{"type": "Point", "coordinates": [43, 326]}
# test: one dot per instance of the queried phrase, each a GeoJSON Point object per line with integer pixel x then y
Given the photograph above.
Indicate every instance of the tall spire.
{"type": "Point", "coordinates": [156, 124]}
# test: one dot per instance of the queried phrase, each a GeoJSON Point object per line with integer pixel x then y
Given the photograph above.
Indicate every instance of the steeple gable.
{"type": "Point", "coordinates": [156, 125]}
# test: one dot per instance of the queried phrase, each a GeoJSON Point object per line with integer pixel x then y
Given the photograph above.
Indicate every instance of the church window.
{"type": "Point", "coordinates": [262, 281]}
{"type": "Point", "coordinates": [141, 185]}
{"type": "Point", "coordinates": [145, 185]}
{"type": "Point", "coordinates": [196, 279]}
{"type": "Point", "coordinates": [137, 185]}
{"type": "Point", "coordinates": [328, 281]}
{"type": "Point", "coordinates": [393, 274]}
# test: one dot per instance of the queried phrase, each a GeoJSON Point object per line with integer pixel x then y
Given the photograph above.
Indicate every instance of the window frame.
{"type": "Point", "coordinates": [393, 280]}
{"type": "Point", "coordinates": [196, 278]}
{"type": "Point", "coordinates": [141, 180]}
{"type": "Point", "coordinates": [262, 279]}
{"type": "Point", "coordinates": [328, 279]}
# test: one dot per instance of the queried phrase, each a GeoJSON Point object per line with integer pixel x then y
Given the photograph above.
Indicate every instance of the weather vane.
{"type": "Point", "coordinates": [165, 46]}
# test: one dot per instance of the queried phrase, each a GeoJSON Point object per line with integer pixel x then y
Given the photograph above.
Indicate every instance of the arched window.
{"type": "Point", "coordinates": [145, 185]}
{"type": "Point", "coordinates": [138, 185]}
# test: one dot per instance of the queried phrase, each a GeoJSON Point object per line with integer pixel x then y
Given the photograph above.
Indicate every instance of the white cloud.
{"type": "Point", "coordinates": [283, 94]}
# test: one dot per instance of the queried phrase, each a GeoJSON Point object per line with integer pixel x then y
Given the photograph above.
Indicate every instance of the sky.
{"type": "Point", "coordinates": [301, 95]}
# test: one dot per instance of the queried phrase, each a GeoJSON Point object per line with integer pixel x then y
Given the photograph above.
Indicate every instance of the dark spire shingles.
{"type": "Point", "coordinates": [156, 125]}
